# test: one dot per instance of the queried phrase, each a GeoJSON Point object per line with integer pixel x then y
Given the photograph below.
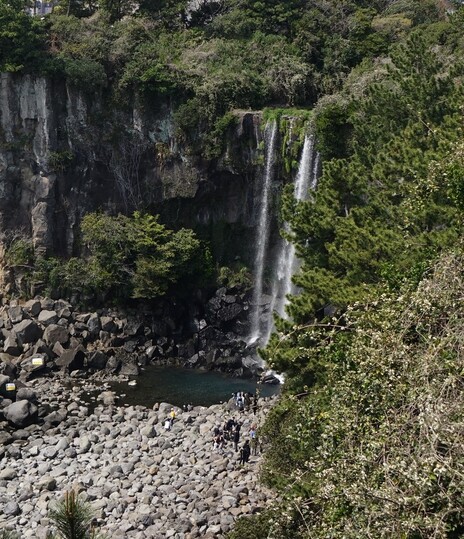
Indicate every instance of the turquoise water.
{"type": "Point", "coordinates": [183, 386]}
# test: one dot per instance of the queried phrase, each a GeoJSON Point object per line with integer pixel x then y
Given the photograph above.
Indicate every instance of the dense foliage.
{"type": "Point", "coordinates": [390, 197]}
{"type": "Point", "coordinates": [374, 449]}
{"type": "Point", "coordinates": [366, 442]}
{"type": "Point", "coordinates": [21, 37]}
{"type": "Point", "coordinates": [124, 257]}
{"type": "Point", "coordinates": [208, 60]}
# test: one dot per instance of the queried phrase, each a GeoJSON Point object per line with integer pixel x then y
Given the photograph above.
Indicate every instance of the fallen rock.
{"type": "Point", "coordinates": [11, 346]}
{"type": "Point", "coordinates": [15, 314]}
{"type": "Point", "coordinates": [55, 334]}
{"type": "Point", "coordinates": [97, 361]}
{"type": "Point", "coordinates": [48, 317]}
{"type": "Point", "coordinates": [32, 307]}
{"type": "Point", "coordinates": [8, 474]}
{"type": "Point", "coordinates": [21, 413]}
{"type": "Point", "coordinates": [26, 393]}
{"type": "Point", "coordinates": [72, 360]}
{"type": "Point", "coordinates": [27, 331]}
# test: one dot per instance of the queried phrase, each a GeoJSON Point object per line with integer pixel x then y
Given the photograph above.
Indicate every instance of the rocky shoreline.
{"type": "Point", "coordinates": [211, 337]}
{"type": "Point", "coordinates": [141, 480]}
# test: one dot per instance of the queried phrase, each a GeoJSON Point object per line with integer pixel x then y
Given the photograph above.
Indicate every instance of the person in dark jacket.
{"type": "Point", "coordinates": [245, 453]}
{"type": "Point", "coordinates": [236, 436]}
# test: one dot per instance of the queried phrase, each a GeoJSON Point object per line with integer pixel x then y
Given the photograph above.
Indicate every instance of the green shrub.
{"type": "Point", "coordinates": [374, 446]}
{"type": "Point", "coordinates": [72, 518]}
{"type": "Point", "coordinates": [60, 161]}
{"type": "Point", "coordinates": [215, 140]}
{"type": "Point", "coordinates": [85, 74]}
{"type": "Point", "coordinates": [254, 527]}
{"type": "Point", "coordinates": [20, 253]}
{"type": "Point", "coordinates": [127, 257]}
{"type": "Point", "coordinates": [8, 534]}
{"type": "Point", "coordinates": [240, 278]}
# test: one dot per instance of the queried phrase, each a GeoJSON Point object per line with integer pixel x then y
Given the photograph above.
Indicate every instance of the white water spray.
{"type": "Point", "coordinates": [287, 262]}
{"type": "Point", "coordinates": [262, 238]}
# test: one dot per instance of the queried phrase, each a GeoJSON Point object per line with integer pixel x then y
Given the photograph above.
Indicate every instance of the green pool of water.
{"type": "Point", "coordinates": [183, 386]}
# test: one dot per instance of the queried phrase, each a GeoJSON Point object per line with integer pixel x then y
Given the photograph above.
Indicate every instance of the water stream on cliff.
{"type": "Point", "coordinates": [287, 261]}
{"type": "Point", "coordinates": [262, 237]}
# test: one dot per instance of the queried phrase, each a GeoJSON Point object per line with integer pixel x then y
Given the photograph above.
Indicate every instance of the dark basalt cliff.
{"type": "Point", "coordinates": [63, 154]}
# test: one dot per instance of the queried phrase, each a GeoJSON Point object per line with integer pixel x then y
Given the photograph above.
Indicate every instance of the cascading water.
{"type": "Point", "coordinates": [287, 261]}
{"type": "Point", "coordinates": [270, 135]}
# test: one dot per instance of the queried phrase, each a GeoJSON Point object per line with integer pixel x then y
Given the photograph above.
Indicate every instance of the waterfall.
{"type": "Point", "coordinates": [262, 238]}
{"type": "Point", "coordinates": [287, 261]}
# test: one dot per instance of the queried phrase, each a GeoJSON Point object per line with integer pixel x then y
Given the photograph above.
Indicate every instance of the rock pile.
{"type": "Point", "coordinates": [50, 327]}
{"type": "Point", "coordinates": [141, 480]}
{"type": "Point", "coordinates": [43, 336]}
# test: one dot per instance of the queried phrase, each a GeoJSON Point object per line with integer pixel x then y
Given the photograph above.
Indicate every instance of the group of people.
{"type": "Point", "coordinates": [245, 400]}
{"type": "Point", "coordinates": [231, 432]}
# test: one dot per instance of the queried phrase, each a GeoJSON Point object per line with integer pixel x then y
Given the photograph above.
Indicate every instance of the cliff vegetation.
{"type": "Point", "coordinates": [367, 440]}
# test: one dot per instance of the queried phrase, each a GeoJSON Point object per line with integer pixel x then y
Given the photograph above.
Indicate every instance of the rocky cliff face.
{"type": "Point", "coordinates": [63, 154]}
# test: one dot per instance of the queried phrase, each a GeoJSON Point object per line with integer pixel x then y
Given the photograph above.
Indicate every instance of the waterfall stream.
{"type": "Point", "coordinates": [262, 236]}
{"type": "Point", "coordinates": [286, 263]}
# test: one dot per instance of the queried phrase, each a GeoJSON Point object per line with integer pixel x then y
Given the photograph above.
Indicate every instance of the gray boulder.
{"type": "Point", "coordinates": [27, 331]}
{"type": "Point", "coordinates": [97, 361]}
{"type": "Point", "coordinates": [58, 349]}
{"type": "Point", "coordinates": [130, 369]}
{"type": "Point", "coordinates": [63, 308]}
{"type": "Point", "coordinates": [229, 312]}
{"type": "Point", "coordinates": [108, 397]}
{"type": "Point", "coordinates": [8, 474]}
{"type": "Point", "coordinates": [10, 346]}
{"type": "Point", "coordinates": [113, 364]}
{"type": "Point", "coordinates": [26, 393]}
{"type": "Point", "coordinates": [48, 317]}
{"type": "Point", "coordinates": [32, 307]}
{"type": "Point", "coordinates": [56, 417]}
{"type": "Point", "coordinates": [55, 333]}
{"type": "Point", "coordinates": [93, 323]}
{"type": "Point", "coordinates": [72, 360]}
{"type": "Point", "coordinates": [21, 413]}
{"type": "Point", "coordinates": [15, 314]}
{"type": "Point", "coordinates": [30, 365]}
{"type": "Point", "coordinates": [108, 324]}
{"type": "Point", "coordinates": [133, 327]}
{"type": "Point", "coordinates": [47, 304]}
{"type": "Point", "coordinates": [11, 509]}
{"type": "Point", "coordinates": [7, 366]}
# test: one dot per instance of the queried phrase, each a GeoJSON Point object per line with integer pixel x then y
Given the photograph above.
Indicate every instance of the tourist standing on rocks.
{"type": "Point", "coordinates": [168, 424]}
{"type": "Point", "coordinates": [254, 439]}
{"type": "Point", "coordinates": [172, 416]}
{"type": "Point", "coordinates": [236, 436]}
{"type": "Point", "coordinates": [255, 404]}
{"type": "Point", "coordinates": [245, 453]}
{"type": "Point", "coordinates": [247, 400]}
{"type": "Point", "coordinates": [228, 427]}
{"type": "Point", "coordinates": [239, 400]}
{"type": "Point", "coordinates": [218, 444]}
